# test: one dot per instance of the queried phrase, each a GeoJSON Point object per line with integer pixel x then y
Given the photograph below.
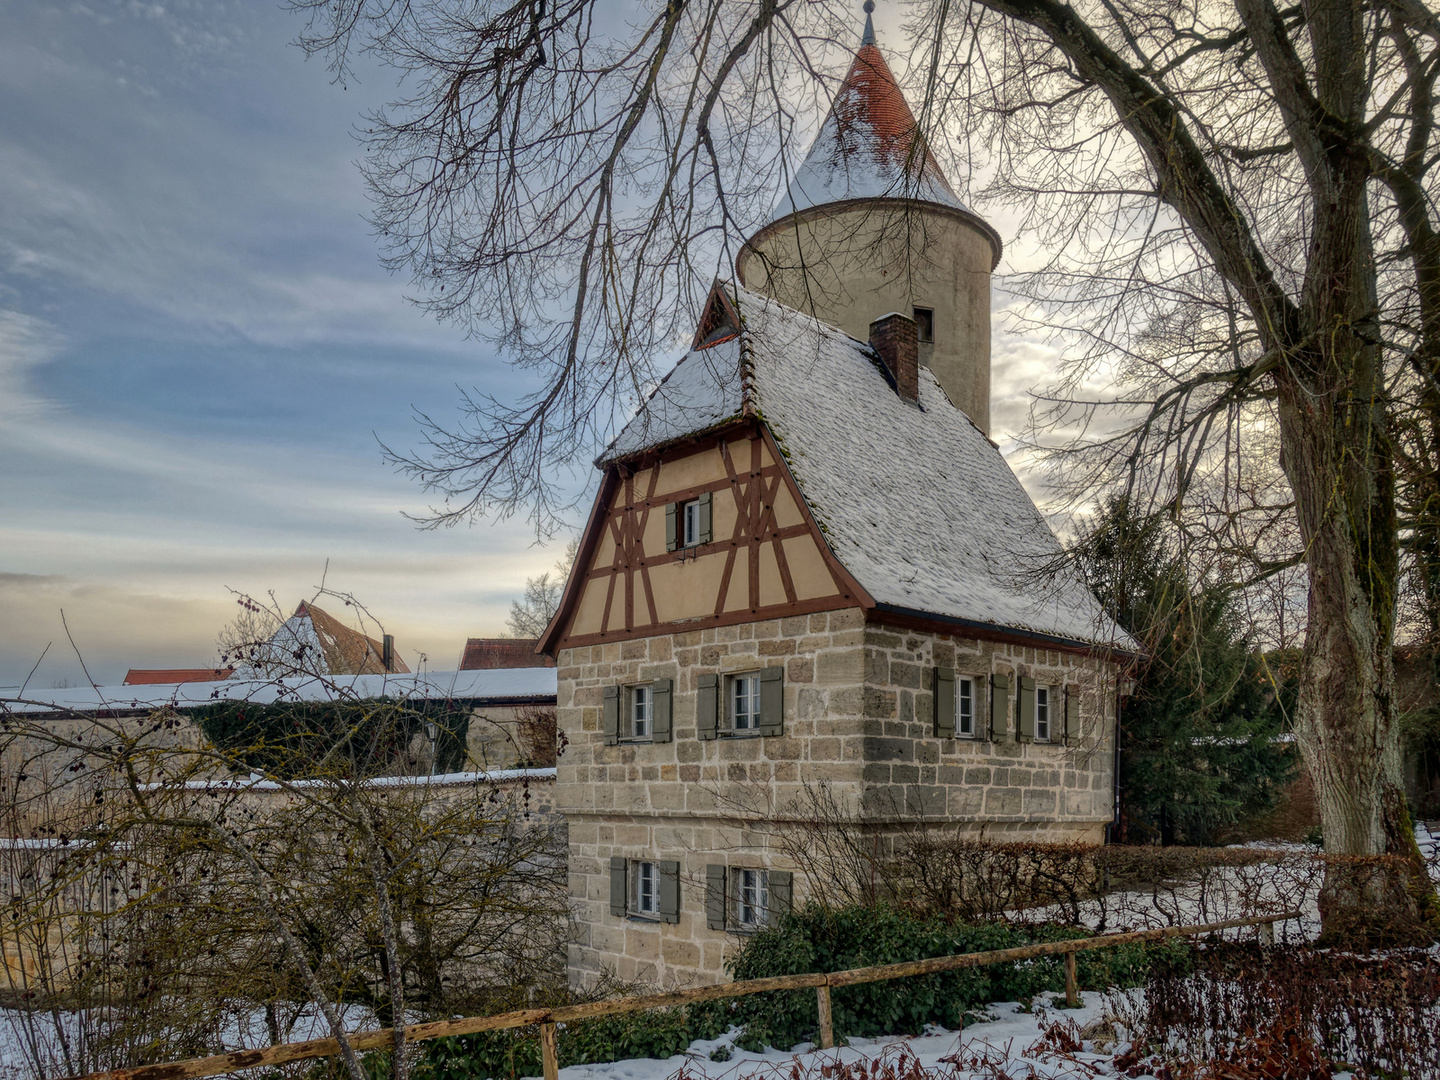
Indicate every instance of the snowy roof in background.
{"type": "Point", "coordinates": [869, 146]}
{"type": "Point", "coordinates": [916, 503]}
{"type": "Point", "coordinates": [326, 644]}
{"type": "Point", "coordinates": [496, 685]}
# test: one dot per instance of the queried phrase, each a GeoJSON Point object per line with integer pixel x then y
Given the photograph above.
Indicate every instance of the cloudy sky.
{"type": "Point", "coordinates": [199, 350]}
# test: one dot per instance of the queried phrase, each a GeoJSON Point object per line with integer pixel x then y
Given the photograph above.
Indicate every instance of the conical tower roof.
{"type": "Point", "coordinates": [869, 146]}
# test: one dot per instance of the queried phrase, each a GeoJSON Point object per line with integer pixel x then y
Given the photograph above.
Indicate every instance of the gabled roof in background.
{"type": "Point", "coordinates": [869, 146]}
{"type": "Point", "coordinates": [915, 502]}
{"type": "Point", "coordinates": [153, 676]}
{"type": "Point", "coordinates": [491, 654]}
{"type": "Point", "coordinates": [344, 650]}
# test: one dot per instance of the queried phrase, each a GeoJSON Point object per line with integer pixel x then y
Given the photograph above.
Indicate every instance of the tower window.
{"type": "Point", "coordinates": [925, 323]}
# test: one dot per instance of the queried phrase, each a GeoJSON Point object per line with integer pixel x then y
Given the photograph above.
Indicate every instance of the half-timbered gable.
{"type": "Point", "coordinates": [710, 533]}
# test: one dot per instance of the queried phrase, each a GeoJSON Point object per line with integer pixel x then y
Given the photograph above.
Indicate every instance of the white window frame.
{"type": "Point", "coordinates": [644, 889]}
{"type": "Point", "coordinates": [1042, 712]}
{"type": "Point", "coordinates": [690, 523]}
{"type": "Point", "coordinates": [733, 713]}
{"type": "Point", "coordinates": [752, 898]}
{"type": "Point", "coordinates": [965, 706]}
{"type": "Point", "coordinates": [640, 712]}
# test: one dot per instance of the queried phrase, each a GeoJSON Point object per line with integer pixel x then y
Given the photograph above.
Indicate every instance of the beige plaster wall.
{"type": "Point", "coordinates": [848, 264]}
{"type": "Point", "coordinates": [687, 584]}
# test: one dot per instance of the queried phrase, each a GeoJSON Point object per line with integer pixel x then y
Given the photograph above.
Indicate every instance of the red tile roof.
{"type": "Point", "coordinates": [153, 676]}
{"type": "Point", "coordinates": [347, 651]}
{"type": "Point", "coordinates": [872, 118]}
{"type": "Point", "coordinates": [487, 654]}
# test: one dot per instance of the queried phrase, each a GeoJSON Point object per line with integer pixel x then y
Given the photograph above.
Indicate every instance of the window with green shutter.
{"type": "Point", "coordinates": [661, 723]}
{"type": "Point", "coordinates": [944, 702]}
{"type": "Point", "coordinates": [715, 897]}
{"type": "Point", "coordinates": [772, 700]}
{"type": "Point", "coordinates": [1025, 710]}
{"type": "Point", "coordinates": [1072, 713]}
{"type": "Point", "coordinates": [707, 706]}
{"type": "Point", "coordinates": [999, 705]}
{"type": "Point", "coordinates": [610, 716]}
{"type": "Point", "coordinates": [619, 886]}
{"type": "Point", "coordinates": [669, 889]}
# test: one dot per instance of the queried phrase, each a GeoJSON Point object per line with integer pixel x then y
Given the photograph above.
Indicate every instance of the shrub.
{"type": "Point", "coordinates": [501, 1055]}
{"type": "Point", "coordinates": [821, 939]}
{"type": "Point", "coordinates": [1375, 1014]}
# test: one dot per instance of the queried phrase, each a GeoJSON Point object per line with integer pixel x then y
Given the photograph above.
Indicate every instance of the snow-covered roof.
{"type": "Point", "coordinates": [915, 502]}
{"type": "Point", "coordinates": [496, 686]}
{"type": "Point", "coordinates": [869, 146]}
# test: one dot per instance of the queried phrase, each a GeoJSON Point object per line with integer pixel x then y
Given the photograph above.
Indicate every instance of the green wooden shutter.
{"type": "Point", "coordinates": [610, 716]}
{"type": "Point", "coordinates": [1072, 713]}
{"type": "Point", "coordinates": [1025, 710]}
{"type": "Point", "coordinates": [707, 706]}
{"type": "Point", "coordinates": [715, 897]}
{"type": "Point", "coordinates": [772, 700]}
{"type": "Point", "coordinates": [944, 702]}
{"type": "Point", "coordinates": [618, 885]}
{"type": "Point", "coordinates": [999, 705]}
{"type": "Point", "coordinates": [660, 697]}
{"type": "Point", "coordinates": [671, 534]}
{"type": "Point", "coordinates": [781, 884]}
{"type": "Point", "coordinates": [669, 891]}
{"type": "Point", "coordinates": [705, 530]}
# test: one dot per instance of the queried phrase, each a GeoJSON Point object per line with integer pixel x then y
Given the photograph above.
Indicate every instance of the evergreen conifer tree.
{"type": "Point", "coordinates": [1198, 735]}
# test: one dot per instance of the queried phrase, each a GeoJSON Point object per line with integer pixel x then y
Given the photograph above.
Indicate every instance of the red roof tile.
{"type": "Point", "coordinates": [487, 654]}
{"type": "Point", "coordinates": [154, 676]}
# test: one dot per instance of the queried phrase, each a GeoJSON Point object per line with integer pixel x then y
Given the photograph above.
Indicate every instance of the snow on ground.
{"type": "Point", "coordinates": [1009, 1042]}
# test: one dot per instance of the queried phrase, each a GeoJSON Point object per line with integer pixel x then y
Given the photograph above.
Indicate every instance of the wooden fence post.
{"type": "Point", "coordinates": [827, 1027]}
{"type": "Point", "coordinates": [1072, 988]}
{"type": "Point", "coordinates": [1267, 933]}
{"type": "Point", "coordinates": [549, 1052]}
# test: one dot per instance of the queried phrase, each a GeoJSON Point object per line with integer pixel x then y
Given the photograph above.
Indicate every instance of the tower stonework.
{"type": "Point", "coordinates": [870, 225]}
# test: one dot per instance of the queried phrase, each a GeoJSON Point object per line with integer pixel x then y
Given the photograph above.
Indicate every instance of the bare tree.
{"type": "Point", "coordinates": [529, 617]}
{"type": "Point", "coordinates": [1237, 199]}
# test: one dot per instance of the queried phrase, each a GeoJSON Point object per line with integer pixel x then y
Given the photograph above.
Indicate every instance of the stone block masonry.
{"type": "Point", "coordinates": [858, 718]}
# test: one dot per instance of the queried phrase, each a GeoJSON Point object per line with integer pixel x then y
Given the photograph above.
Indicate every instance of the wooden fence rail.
{"type": "Point", "coordinates": [821, 982]}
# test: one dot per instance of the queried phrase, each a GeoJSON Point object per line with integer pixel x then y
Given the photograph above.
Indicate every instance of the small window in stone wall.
{"type": "Point", "coordinates": [645, 889]}
{"type": "Point", "coordinates": [1042, 713]}
{"type": "Point", "coordinates": [745, 898]}
{"type": "Point", "coordinates": [740, 704]}
{"type": "Point", "coordinates": [957, 705]}
{"type": "Point", "coordinates": [641, 713]}
{"type": "Point", "coordinates": [965, 706]}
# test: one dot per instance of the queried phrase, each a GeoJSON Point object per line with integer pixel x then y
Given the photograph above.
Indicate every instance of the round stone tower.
{"type": "Point", "coordinates": [870, 225]}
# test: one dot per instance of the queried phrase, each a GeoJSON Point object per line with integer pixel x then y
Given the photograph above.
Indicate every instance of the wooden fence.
{"type": "Point", "coordinates": [821, 983]}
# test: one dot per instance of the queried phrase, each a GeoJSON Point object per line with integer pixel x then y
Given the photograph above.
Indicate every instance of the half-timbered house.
{"type": "Point", "coordinates": [808, 567]}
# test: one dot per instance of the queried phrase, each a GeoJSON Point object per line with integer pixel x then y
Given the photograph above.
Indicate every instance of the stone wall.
{"type": "Point", "coordinates": [858, 717]}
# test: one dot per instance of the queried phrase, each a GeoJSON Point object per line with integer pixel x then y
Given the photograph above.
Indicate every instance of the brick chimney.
{"type": "Point", "coordinates": [897, 340]}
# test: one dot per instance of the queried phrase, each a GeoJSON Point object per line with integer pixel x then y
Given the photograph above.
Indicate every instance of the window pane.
{"type": "Point", "coordinates": [640, 711]}
{"type": "Point", "coordinates": [692, 524]}
{"type": "Point", "coordinates": [753, 899]}
{"type": "Point", "coordinates": [964, 707]}
{"type": "Point", "coordinates": [745, 709]}
{"type": "Point", "coordinates": [645, 893]}
{"type": "Point", "coordinates": [1042, 713]}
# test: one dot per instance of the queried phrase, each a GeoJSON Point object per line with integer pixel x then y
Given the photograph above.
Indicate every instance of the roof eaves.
{"type": "Point", "coordinates": [1028, 636]}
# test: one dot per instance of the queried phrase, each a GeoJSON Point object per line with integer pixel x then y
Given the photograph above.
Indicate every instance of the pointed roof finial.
{"type": "Point", "coordinates": [868, 38]}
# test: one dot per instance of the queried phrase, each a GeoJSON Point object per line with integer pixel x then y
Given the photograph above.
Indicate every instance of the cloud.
{"type": "Point", "coordinates": [26, 342]}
